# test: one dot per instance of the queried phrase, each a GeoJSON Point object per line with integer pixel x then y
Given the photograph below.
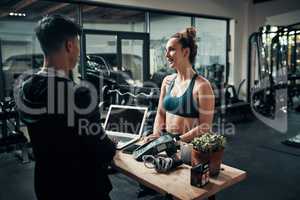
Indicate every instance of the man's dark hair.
{"type": "Point", "coordinates": [52, 31]}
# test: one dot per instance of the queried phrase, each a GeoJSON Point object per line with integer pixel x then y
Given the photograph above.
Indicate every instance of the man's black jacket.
{"type": "Point", "coordinates": [70, 147]}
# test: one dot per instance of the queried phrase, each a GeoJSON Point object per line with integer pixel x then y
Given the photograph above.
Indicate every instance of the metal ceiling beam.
{"type": "Point", "coordinates": [84, 9]}
{"type": "Point", "coordinates": [54, 8]}
{"type": "Point", "coordinates": [23, 4]}
{"type": "Point", "coordinates": [89, 8]}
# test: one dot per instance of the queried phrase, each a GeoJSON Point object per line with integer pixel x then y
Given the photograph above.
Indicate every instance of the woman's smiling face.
{"type": "Point", "coordinates": [174, 53]}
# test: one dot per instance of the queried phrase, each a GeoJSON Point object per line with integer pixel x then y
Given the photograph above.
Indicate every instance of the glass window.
{"type": "Point", "coordinates": [132, 59]}
{"type": "Point", "coordinates": [113, 19]}
{"type": "Point", "coordinates": [19, 46]}
{"type": "Point", "coordinates": [162, 27]}
{"type": "Point", "coordinates": [211, 41]}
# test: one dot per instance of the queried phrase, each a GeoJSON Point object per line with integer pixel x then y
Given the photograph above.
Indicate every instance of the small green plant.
{"type": "Point", "coordinates": [209, 142]}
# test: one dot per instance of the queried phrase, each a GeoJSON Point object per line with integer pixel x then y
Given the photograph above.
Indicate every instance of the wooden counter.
{"type": "Point", "coordinates": [176, 183]}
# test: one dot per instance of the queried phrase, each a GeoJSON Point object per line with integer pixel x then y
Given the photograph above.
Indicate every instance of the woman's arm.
{"type": "Point", "coordinates": [160, 118]}
{"type": "Point", "coordinates": [206, 105]}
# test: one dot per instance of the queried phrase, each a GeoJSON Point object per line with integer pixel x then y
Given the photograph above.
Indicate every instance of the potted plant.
{"type": "Point", "coordinates": [209, 147]}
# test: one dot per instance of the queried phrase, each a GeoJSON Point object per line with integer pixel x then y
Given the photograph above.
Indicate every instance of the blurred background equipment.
{"type": "Point", "coordinates": [12, 138]}
{"type": "Point", "coordinates": [274, 72]}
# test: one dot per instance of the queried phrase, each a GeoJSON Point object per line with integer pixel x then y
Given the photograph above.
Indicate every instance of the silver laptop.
{"type": "Point", "coordinates": [124, 124]}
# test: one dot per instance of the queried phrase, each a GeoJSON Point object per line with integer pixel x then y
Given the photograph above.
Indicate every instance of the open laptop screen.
{"type": "Point", "coordinates": [125, 119]}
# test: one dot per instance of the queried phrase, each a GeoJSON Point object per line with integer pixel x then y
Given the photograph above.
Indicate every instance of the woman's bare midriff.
{"type": "Point", "coordinates": [178, 124]}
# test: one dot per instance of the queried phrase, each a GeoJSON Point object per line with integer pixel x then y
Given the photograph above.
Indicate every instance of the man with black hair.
{"type": "Point", "coordinates": [71, 149]}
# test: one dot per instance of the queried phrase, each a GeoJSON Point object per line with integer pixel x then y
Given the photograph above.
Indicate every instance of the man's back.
{"type": "Point", "coordinates": [69, 163]}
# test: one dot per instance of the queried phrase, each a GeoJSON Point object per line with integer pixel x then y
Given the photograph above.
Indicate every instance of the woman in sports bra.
{"type": "Point", "coordinates": [186, 104]}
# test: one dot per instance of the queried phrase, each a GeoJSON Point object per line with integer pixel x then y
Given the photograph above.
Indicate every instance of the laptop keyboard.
{"type": "Point", "coordinates": [120, 139]}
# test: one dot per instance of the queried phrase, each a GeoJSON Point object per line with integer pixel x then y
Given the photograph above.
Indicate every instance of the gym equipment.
{"type": "Point", "coordinates": [158, 76]}
{"type": "Point", "coordinates": [2, 82]}
{"type": "Point", "coordinates": [12, 140]}
{"type": "Point", "coordinates": [8, 112]}
{"type": "Point", "coordinates": [263, 100]}
{"type": "Point", "coordinates": [228, 105]}
{"type": "Point", "coordinates": [274, 54]}
{"type": "Point", "coordinates": [294, 141]}
{"type": "Point", "coordinates": [130, 95]}
{"type": "Point", "coordinates": [135, 96]}
{"type": "Point", "coordinates": [274, 60]}
{"type": "Point", "coordinates": [99, 73]}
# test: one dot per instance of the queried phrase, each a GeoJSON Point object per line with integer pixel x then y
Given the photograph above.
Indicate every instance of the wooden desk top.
{"type": "Point", "coordinates": [176, 183]}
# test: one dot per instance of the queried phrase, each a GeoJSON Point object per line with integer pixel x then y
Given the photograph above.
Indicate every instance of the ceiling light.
{"type": "Point", "coordinates": [17, 14]}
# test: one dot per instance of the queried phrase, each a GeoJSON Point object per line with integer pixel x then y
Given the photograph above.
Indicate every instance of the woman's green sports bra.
{"type": "Point", "coordinates": [184, 105]}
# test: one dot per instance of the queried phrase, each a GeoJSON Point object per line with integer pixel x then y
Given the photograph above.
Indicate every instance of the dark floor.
{"type": "Point", "coordinates": [273, 169]}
